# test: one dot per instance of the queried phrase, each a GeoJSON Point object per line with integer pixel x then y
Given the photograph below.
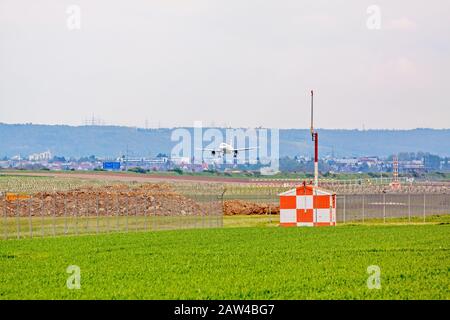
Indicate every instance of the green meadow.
{"type": "Point", "coordinates": [234, 263]}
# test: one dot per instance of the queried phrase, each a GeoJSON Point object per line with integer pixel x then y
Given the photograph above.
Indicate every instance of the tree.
{"type": "Point", "coordinates": [432, 162]}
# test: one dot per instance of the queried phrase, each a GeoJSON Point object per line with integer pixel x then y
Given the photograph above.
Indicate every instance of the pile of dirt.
{"type": "Point", "coordinates": [123, 200]}
{"type": "Point", "coordinates": [239, 207]}
{"type": "Point", "coordinates": [120, 200]}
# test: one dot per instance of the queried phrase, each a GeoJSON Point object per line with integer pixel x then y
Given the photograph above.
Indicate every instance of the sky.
{"type": "Point", "coordinates": [241, 63]}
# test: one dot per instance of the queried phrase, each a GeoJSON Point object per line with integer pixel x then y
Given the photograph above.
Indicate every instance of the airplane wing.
{"type": "Point", "coordinates": [216, 150]}
{"type": "Point", "coordinates": [245, 149]}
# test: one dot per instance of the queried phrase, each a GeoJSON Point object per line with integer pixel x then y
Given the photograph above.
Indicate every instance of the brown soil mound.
{"type": "Point", "coordinates": [234, 207]}
{"type": "Point", "coordinates": [121, 200]}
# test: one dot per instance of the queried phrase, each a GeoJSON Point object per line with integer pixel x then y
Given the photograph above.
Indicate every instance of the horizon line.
{"type": "Point", "coordinates": [217, 127]}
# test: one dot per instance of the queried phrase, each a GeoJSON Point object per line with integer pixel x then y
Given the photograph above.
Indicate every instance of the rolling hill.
{"type": "Point", "coordinates": [111, 141]}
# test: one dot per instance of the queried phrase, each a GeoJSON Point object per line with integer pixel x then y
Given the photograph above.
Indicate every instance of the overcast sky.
{"type": "Point", "coordinates": [226, 62]}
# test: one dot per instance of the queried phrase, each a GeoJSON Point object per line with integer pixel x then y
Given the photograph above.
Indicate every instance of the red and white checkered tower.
{"type": "Point", "coordinates": [309, 205]}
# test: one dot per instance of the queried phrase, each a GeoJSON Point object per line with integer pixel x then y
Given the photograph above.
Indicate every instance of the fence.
{"type": "Point", "coordinates": [390, 207]}
{"type": "Point", "coordinates": [110, 209]}
{"type": "Point", "coordinates": [146, 207]}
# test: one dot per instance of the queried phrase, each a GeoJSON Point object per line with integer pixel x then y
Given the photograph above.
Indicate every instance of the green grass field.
{"type": "Point", "coordinates": [233, 263]}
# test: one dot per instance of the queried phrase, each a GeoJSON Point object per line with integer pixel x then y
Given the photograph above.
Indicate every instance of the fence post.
{"type": "Point", "coordinates": [65, 213]}
{"type": "Point", "coordinates": [96, 214]}
{"type": "Point", "coordinates": [424, 207]}
{"type": "Point", "coordinates": [154, 213]}
{"type": "Point", "coordinates": [384, 207]}
{"type": "Point", "coordinates": [5, 218]}
{"type": "Point", "coordinates": [409, 207]}
{"type": "Point", "coordinates": [270, 212]}
{"type": "Point", "coordinates": [42, 206]}
{"type": "Point", "coordinates": [205, 213]}
{"type": "Point", "coordinates": [223, 206]}
{"type": "Point", "coordinates": [136, 213]}
{"type": "Point", "coordinates": [54, 214]}
{"type": "Point", "coordinates": [30, 223]}
{"type": "Point", "coordinates": [106, 203]}
{"type": "Point", "coordinates": [127, 208]}
{"type": "Point", "coordinates": [76, 213]}
{"type": "Point", "coordinates": [363, 208]}
{"type": "Point", "coordinates": [145, 211]}
{"type": "Point", "coordinates": [117, 212]}
{"type": "Point", "coordinates": [344, 208]}
{"type": "Point", "coordinates": [18, 217]}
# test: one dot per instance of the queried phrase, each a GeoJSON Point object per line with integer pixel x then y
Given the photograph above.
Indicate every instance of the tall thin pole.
{"type": "Point", "coordinates": [344, 207]}
{"type": "Point", "coordinates": [312, 111]}
{"type": "Point", "coordinates": [363, 208]}
{"type": "Point", "coordinates": [424, 207]}
{"type": "Point", "coordinates": [18, 217]}
{"type": "Point", "coordinates": [315, 138]}
{"type": "Point", "coordinates": [30, 218]}
{"type": "Point", "coordinates": [316, 159]}
{"type": "Point", "coordinates": [409, 206]}
{"type": "Point", "coordinates": [5, 218]}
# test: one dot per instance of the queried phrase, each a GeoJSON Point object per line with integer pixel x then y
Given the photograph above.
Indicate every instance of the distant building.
{"type": "Point", "coordinates": [347, 161]}
{"type": "Point", "coordinates": [44, 156]}
{"type": "Point", "coordinates": [180, 160]}
{"type": "Point", "coordinates": [111, 165]}
{"type": "Point", "coordinates": [412, 165]}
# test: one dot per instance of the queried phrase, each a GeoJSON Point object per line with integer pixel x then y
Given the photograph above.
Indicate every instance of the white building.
{"type": "Point", "coordinates": [44, 156]}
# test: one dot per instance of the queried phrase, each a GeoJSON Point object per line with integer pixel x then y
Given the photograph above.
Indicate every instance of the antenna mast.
{"type": "Point", "coordinates": [315, 138]}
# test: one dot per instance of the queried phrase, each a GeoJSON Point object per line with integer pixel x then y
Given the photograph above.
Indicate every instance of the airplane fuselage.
{"type": "Point", "coordinates": [225, 148]}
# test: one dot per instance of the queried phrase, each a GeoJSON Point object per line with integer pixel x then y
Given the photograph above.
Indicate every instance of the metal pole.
{"type": "Point", "coordinates": [54, 215]}
{"type": "Point", "coordinates": [97, 214]}
{"type": "Point", "coordinates": [363, 208]}
{"type": "Point", "coordinates": [203, 211]}
{"type": "Point", "coordinates": [316, 159]}
{"type": "Point", "coordinates": [409, 207]}
{"type": "Point", "coordinates": [117, 212]}
{"type": "Point", "coordinates": [153, 219]}
{"type": "Point", "coordinates": [270, 214]}
{"type": "Point", "coordinates": [65, 214]}
{"type": "Point", "coordinates": [145, 211]}
{"type": "Point", "coordinates": [30, 223]}
{"type": "Point", "coordinates": [42, 216]}
{"type": "Point", "coordinates": [127, 208]}
{"type": "Point", "coordinates": [18, 218]}
{"type": "Point", "coordinates": [136, 204]}
{"type": "Point", "coordinates": [76, 213]}
{"type": "Point", "coordinates": [384, 208]}
{"type": "Point", "coordinates": [181, 221]}
{"type": "Point", "coordinates": [344, 207]}
{"type": "Point", "coordinates": [106, 202]}
{"type": "Point", "coordinates": [222, 208]}
{"type": "Point", "coordinates": [5, 218]}
{"type": "Point", "coordinates": [91, 204]}
{"type": "Point", "coordinates": [424, 207]}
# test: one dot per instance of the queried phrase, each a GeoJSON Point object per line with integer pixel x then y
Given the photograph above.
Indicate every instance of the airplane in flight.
{"type": "Point", "coordinates": [225, 148]}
